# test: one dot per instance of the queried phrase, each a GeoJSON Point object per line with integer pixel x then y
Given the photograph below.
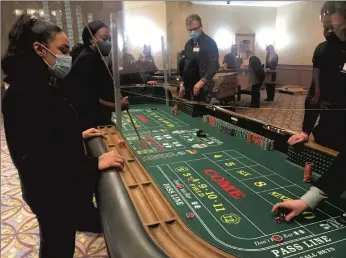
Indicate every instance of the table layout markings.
{"type": "Point", "coordinates": [238, 248]}
{"type": "Point", "coordinates": [290, 182]}
{"type": "Point", "coordinates": [169, 115]}
{"type": "Point", "coordinates": [201, 221]}
{"type": "Point", "coordinates": [178, 162]}
{"type": "Point", "coordinates": [229, 169]}
{"type": "Point", "coordinates": [312, 223]}
{"type": "Point", "coordinates": [166, 115]}
{"type": "Point", "coordinates": [281, 186]}
{"type": "Point", "coordinates": [265, 176]}
{"type": "Point", "coordinates": [274, 189]}
{"type": "Point", "coordinates": [224, 198]}
{"type": "Point", "coordinates": [255, 192]}
{"type": "Point", "coordinates": [212, 213]}
{"type": "Point", "coordinates": [252, 177]}
{"type": "Point", "coordinates": [299, 225]}
{"type": "Point", "coordinates": [309, 250]}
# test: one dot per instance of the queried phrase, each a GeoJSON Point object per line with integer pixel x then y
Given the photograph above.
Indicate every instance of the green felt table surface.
{"type": "Point", "coordinates": [231, 186]}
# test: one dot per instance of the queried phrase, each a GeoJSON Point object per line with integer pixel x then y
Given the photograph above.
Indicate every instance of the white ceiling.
{"type": "Point", "coordinates": [244, 3]}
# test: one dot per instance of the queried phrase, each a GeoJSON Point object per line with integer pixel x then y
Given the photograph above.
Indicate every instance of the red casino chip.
{"type": "Point", "coordinates": [190, 215]}
{"type": "Point", "coordinates": [180, 186]}
{"type": "Point", "coordinates": [308, 172]}
{"type": "Point", "coordinates": [277, 238]}
{"type": "Point", "coordinates": [278, 220]}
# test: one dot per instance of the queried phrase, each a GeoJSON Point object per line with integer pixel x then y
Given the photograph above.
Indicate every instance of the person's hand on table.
{"type": "Point", "coordinates": [111, 159]}
{"type": "Point", "coordinates": [297, 138]}
{"type": "Point", "coordinates": [152, 83]}
{"type": "Point", "coordinates": [125, 103]}
{"type": "Point", "coordinates": [296, 207]}
{"type": "Point", "coordinates": [92, 132]}
{"type": "Point", "coordinates": [181, 90]}
{"type": "Point", "coordinates": [197, 87]}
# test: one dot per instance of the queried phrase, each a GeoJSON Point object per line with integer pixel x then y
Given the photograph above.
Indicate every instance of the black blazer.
{"type": "Point", "coordinates": [88, 81]}
{"type": "Point", "coordinates": [203, 63]}
{"type": "Point", "coordinates": [45, 141]}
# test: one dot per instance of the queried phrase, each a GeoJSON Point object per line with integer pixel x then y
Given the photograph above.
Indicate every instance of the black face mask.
{"type": "Point", "coordinates": [331, 37]}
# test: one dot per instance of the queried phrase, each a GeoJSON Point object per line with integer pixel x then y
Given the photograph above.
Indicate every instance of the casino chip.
{"type": "Point", "coordinates": [180, 186]}
{"type": "Point", "coordinates": [201, 133]}
{"type": "Point", "coordinates": [277, 238]}
{"type": "Point", "coordinates": [190, 215]}
{"type": "Point", "coordinates": [190, 179]}
{"type": "Point", "coordinates": [278, 220]}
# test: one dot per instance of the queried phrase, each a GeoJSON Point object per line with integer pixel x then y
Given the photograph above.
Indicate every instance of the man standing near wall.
{"type": "Point", "coordinates": [201, 62]}
{"type": "Point", "coordinates": [232, 60]}
{"type": "Point", "coordinates": [327, 95]}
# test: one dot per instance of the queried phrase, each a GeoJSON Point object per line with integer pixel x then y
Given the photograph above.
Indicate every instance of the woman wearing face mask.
{"type": "Point", "coordinates": [272, 60]}
{"type": "Point", "coordinates": [146, 61]}
{"type": "Point", "coordinates": [90, 82]}
{"type": "Point", "coordinates": [45, 138]}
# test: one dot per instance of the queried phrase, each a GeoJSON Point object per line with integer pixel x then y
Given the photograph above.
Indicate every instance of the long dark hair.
{"type": "Point", "coordinates": [76, 50]}
{"type": "Point", "coordinates": [20, 52]}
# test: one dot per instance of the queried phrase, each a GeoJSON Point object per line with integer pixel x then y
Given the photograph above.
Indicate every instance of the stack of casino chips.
{"type": "Point", "coordinates": [240, 133]}
{"type": "Point", "coordinates": [308, 172]}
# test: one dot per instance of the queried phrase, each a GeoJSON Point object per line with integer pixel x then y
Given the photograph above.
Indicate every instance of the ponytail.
{"type": "Point", "coordinates": [24, 33]}
{"type": "Point", "coordinates": [76, 50]}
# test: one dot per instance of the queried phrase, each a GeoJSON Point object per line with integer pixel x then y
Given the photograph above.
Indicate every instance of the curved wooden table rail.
{"type": "Point", "coordinates": [159, 219]}
{"type": "Point", "coordinates": [125, 235]}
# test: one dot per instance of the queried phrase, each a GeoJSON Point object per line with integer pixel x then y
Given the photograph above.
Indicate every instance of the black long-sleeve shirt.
{"type": "Point", "coordinates": [89, 81]}
{"type": "Point", "coordinates": [45, 141]}
{"type": "Point", "coordinates": [256, 71]}
{"type": "Point", "coordinates": [201, 60]}
{"type": "Point", "coordinates": [329, 58]}
{"type": "Point", "coordinates": [332, 182]}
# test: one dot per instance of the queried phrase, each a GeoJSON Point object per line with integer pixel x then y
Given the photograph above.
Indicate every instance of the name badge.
{"type": "Point", "coordinates": [196, 49]}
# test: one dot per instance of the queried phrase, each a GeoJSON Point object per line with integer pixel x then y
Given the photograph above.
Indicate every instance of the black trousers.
{"type": "Point", "coordinates": [255, 95]}
{"type": "Point", "coordinates": [60, 216]}
{"type": "Point", "coordinates": [270, 88]}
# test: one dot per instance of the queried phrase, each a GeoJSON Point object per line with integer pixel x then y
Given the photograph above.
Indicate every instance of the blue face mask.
{"type": "Point", "coordinates": [62, 65]}
{"type": "Point", "coordinates": [194, 34]}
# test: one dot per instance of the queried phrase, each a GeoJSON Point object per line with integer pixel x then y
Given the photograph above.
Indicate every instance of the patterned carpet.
{"type": "Point", "coordinates": [286, 111]}
{"type": "Point", "coordinates": [19, 229]}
